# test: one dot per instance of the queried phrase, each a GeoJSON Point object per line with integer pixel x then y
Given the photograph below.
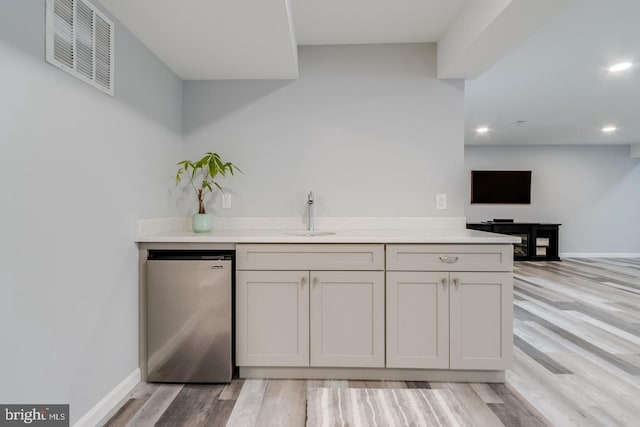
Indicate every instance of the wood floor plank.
{"type": "Point", "coordinates": [459, 411]}
{"type": "Point", "coordinates": [357, 384]}
{"type": "Point", "coordinates": [509, 418]}
{"type": "Point", "coordinates": [601, 267]}
{"type": "Point", "coordinates": [583, 330]}
{"type": "Point", "coordinates": [634, 359]}
{"type": "Point", "coordinates": [589, 286]}
{"type": "Point", "coordinates": [144, 389]}
{"type": "Point", "coordinates": [245, 411]}
{"type": "Point", "coordinates": [219, 415]}
{"type": "Point", "coordinates": [632, 339]}
{"type": "Point", "coordinates": [377, 384]}
{"type": "Point", "coordinates": [572, 289]}
{"type": "Point", "coordinates": [231, 391]}
{"type": "Point", "coordinates": [526, 329]}
{"type": "Point", "coordinates": [191, 407]}
{"type": "Point", "coordinates": [540, 357]}
{"type": "Point", "coordinates": [482, 415]}
{"type": "Point", "coordinates": [125, 413]}
{"type": "Point", "coordinates": [336, 383]}
{"type": "Point", "coordinates": [130, 406]}
{"type": "Point", "coordinates": [602, 385]}
{"type": "Point", "coordinates": [540, 388]}
{"type": "Point", "coordinates": [571, 354]}
{"type": "Point", "coordinates": [418, 384]}
{"type": "Point", "coordinates": [155, 406]}
{"type": "Point", "coordinates": [589, 346]}
{"type": "Point", "coordinates": [628, 306]}
{"type": "Point", "coordinates": [283, 404]}
{"type": "Point", "coordinates": [519, 411]}
{"type": "Point", "coordinates": [394, 384]}
{"type": "Point", "coordinates": [599, 403]}
{"type": "Point", "coordinates": [486, 393]}
{"type": "Point", "coordinates": [612, 318]}
{"type": "Point", "coordinates": [310, 384]}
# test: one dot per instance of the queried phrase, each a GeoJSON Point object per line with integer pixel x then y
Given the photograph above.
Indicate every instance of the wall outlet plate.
{"type": "Point", "coordinates": [226, 201]}
{"type": "Point", "coordinates": [441, 201]}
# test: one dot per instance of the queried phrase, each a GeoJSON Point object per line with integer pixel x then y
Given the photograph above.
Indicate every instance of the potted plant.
{"type": "Point", "coordinates": [202, 177]}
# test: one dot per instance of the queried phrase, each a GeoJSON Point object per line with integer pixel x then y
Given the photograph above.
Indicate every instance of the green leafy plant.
{"type": "Point", "coordinates": [202, 175]}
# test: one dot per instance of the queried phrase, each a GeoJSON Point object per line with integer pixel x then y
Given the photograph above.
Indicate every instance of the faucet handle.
{"type": "Point", "coordinates": [310, 197]}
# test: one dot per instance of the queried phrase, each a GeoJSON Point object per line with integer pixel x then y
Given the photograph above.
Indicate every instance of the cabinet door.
{"type": "Point", "coordinates": [347, 318]}
{"type": "Point", "coordinates": [418, 320]}
{"type": "Point", "coordinates": [272, 318]}
{"type": "Point", "coordinates": [481, 316]}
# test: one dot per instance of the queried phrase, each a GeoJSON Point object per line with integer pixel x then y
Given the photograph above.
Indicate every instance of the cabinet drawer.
{"type": "Point", "coordinates": [450, 257]}
{"type": "Point", "coordinates": [314, 256]}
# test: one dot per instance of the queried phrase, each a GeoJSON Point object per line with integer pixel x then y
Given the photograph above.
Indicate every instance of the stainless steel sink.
{"type": "Point", "coordinates": [306, 233]}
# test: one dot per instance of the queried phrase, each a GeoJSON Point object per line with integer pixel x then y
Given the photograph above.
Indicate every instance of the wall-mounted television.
{"type": "Point", "coordinates": [501, 187]}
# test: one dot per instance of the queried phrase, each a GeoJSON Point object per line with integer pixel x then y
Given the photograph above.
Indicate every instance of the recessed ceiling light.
{"type": "Point", "coordinates": [620, 67]}
{"type": "Point", "coordinates": [609, 129]}
{"type": "Point", "coordinates": [482, 129]}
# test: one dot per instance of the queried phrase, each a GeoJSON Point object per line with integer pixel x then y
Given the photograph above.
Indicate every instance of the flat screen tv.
{"type": "Point", "coordinates": [501, 187]}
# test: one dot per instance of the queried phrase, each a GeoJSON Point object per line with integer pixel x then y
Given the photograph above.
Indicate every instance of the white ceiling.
{"type": "Point", "coordinates": [258, 39]}
{"type": "Point", "coordinates": [537, 60]}
{"type": "Point", "coordinates": [558, 81]}
{"type": "Point", "coordinates": [215, 39]}
{"type": "Point", "coordinates": [372, 21]}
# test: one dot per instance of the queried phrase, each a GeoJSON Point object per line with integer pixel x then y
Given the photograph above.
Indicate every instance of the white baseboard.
{"type": "Point", "coordinates": [109, 402]}
{"type": "Point", "coordinates": [600, 255]}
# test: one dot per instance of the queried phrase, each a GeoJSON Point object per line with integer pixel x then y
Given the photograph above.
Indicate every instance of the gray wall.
{"type": "Point", "coordinates": [78, 169]}
{"type": "Point", "coordinates": [369, 128]}
{"type": "Point", "coordinates": [594, 191]}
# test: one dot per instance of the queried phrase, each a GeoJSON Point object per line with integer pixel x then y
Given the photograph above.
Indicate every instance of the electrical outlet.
{"type": "Point", "coordinates": [226, 201]}
{"type": "Point", "coordinates": [441, 201]}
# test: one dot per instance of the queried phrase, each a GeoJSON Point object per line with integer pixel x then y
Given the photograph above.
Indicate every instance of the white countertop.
{"type": "Point", "coordinates": [414, 234]}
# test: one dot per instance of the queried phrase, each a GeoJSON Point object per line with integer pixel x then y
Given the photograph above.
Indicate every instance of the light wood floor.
{"type": "Point", "coordinates": [577, 362]}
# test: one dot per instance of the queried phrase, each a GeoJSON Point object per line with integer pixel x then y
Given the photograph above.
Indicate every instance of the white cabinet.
{"type": "Point", "coordinates": [323, 306]}
{"type": "Point", "coordinates": [481, 320]}
{"type": "Point", "coordinates": [315, 256]}
{"type": "Point", "coordinates": [301, 305]}
{"type": "Point", "coordinates": [347, 318]}
{"type": "Point", "coordinates": [272, 318]}
{"type": "Point", "coordinates": [417, 320]}
{"type": "Point", "coordinates": [449, 319]}
{"type": "Point", "coordinates": [441, 257]}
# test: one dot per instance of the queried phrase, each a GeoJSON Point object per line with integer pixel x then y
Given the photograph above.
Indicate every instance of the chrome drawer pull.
{"type": "Point", "coordinates": [303, 282]}
{"type": "Point", "coordinates": [449, 259]}
{"type": "Point", "coordinates": [444, 282]}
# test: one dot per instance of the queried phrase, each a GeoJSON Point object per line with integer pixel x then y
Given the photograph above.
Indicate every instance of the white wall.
{"type": "Point", "coordinates": [594, 191]}
{"type": "Point", "coordinates": [78, 169]}
{"type": "Point", "coordinates": [369, 128]}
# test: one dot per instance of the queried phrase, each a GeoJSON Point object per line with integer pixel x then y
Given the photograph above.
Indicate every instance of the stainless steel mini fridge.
{"type": "Point", "coordinates": [189, 316]}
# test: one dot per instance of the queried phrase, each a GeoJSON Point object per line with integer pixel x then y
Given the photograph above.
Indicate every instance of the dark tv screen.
{"type": "Point", "coordinates": [501, 187]}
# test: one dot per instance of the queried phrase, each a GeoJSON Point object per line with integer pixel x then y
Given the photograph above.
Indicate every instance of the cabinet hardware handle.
{"type": "Point", "coordinates": [456, 282]}
{"type": "Point", "coordinates": [449, 259]}
{"type": "Point", "coordinates": [315, 282]}
{"type": "Point", "coordinates": [444, 282]}
{"type": "Point", "coordinates": [303, 282]}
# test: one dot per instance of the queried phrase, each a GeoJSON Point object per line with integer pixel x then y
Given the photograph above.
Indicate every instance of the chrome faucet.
{"type": "Point", "coordinates": [312, 218]}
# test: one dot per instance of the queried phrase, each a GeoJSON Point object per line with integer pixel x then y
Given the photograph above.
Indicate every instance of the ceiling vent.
{"type": "Point", "coordinates": [80, 42]}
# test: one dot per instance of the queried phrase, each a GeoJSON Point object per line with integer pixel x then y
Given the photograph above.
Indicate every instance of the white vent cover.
{"type": "Point", "coordinates": [80, 42]}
